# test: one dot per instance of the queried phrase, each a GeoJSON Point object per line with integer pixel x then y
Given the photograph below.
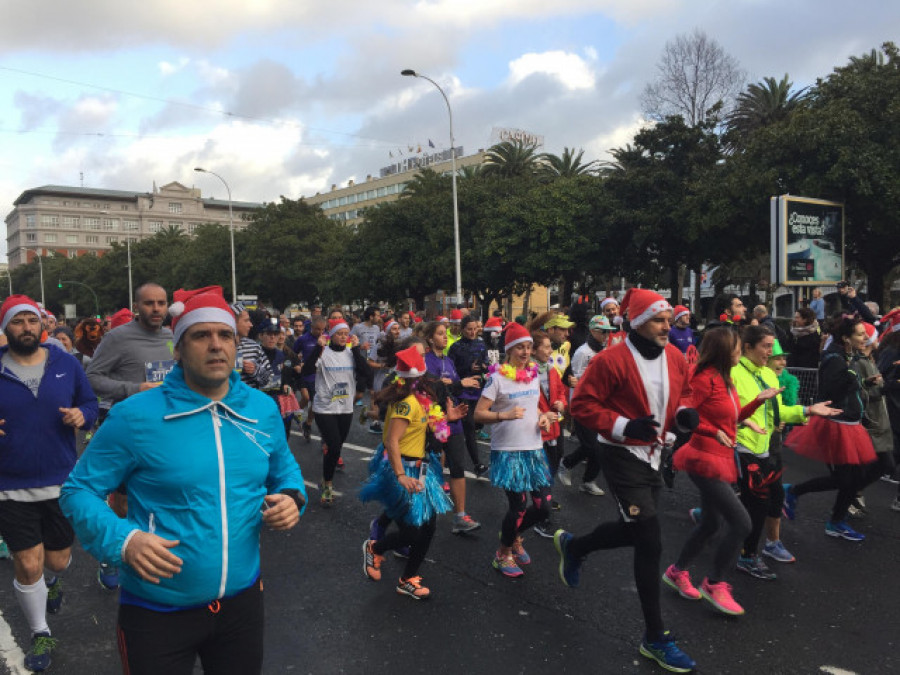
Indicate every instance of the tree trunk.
{"type": "Point", "coordinates": [698, 281]}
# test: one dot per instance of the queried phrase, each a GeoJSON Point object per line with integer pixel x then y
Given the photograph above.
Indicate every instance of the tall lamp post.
{"type": "Point", "coordinates": [78, 283]}
{"type": "Point", "coordinates": [130, 285]}
{"type": "Point", "coordinates": [411, 73]}
{"type": "Point", "coordinates": [230, 226]}
{"type": "Point", "coordinates": [40, 258]}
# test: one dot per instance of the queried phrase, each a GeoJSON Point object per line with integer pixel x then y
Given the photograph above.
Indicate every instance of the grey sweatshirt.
{"type": "Point", "coordinates": [120, 363]}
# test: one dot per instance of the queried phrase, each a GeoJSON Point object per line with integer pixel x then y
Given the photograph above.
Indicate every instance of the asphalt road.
{"type": "Point", "coordinates": [831, 612]}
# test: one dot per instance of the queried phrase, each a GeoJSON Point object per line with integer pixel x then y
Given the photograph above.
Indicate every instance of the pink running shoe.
{"type": "Point", "coordinates": [680, 580]}
{"type": "Point", "coordinates": [719, 596]}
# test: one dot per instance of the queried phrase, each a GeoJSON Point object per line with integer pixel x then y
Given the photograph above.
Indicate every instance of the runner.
{"type": "Point", "coordinates": [469, 355]}
{"type": "Point", "coordinates": [44, 396]}
{"type": "Point", "coordinates": [681, 334]}
{"type": "Point", "coordinates": [610, 308]}
{"type": "Point", "coordinates": [454, 332]}
{"type": "Point", "coordinates": [633, 394]}
{"type": "Point", "coordinates": [510, 401]}
{"type": "Point", "coordinates": [407, 480]}
{"type": "Point", "coordinates": [250, 361]}
{"type": "Point", "coordinates": [304, 346]}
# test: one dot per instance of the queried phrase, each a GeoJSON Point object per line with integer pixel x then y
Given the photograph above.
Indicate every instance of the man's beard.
{"type": "Point", "coordinates": [22, 348]}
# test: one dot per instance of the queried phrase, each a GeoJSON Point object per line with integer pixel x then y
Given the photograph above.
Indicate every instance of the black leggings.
{"type": "Point", "coordinates": [847, 479]}
{"type": "Point", "coordinates": [334, 430]}
{"type": "Point", "coordinates": [554, 452]}
{"type": "Point", "coordinates": [227, 635]}
{"type": "Point", "coordinates": [468, 424]}
{"type": "Point", "coordinates": [645, 537]}
{"type": "Point", "coordinates": [417, 538]}
{"type": "Point", "coordinates": [454, 453]}
{"type": "Point", "coordinates": [762, 493]}
{"type": "Point", "coordinates": [519, 517]}
{"type": "Point", "coordinates": [589, 449]}
{"type": "Point", "coordinates": [717, 499]}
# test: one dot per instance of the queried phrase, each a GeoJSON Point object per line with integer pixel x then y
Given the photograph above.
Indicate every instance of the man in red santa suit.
{"type": "Point", "coordinates": [634, 395]}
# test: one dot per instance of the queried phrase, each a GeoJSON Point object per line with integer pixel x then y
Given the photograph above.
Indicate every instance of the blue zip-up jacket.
{"type": "Point", "coordinates": [37, 449]}
{"type": "Point", "coordinates": [465, 353]}
{"type": "Point", "coordinates": [196, 470]}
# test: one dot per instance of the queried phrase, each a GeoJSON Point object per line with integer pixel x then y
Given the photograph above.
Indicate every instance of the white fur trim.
{"type": "Point", "coordinates": [17, 309]}
{"type": "Point", "coordinates": [341, 326]}
{"type": "Point", "coordinates": [204, 315]}
{"type": "Point", "coordinates": [513, 343]}
{"type": "Point", "coordinates": [608, 301]}
{"type": "Point", "coordinates": [652, 310]}
{"type": "Point", "coordinates": [680, 314]}
{"type": "Point", "coordinates": [176, 309]}
{"type": "Point", "coordinates": [415, 372]}
{"type": "Point", "coordinates": [618, 430]}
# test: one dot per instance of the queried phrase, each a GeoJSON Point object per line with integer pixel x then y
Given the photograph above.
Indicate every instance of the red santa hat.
{"type": "Point", "coordinates": [608, 301]}
{"type": "Point", "coordinates": [892, 320]}
{"type": "Point", "coordinates": [334, 325]}
{"type": "Point", "coordinates": [16, 304]}
{"type": "Point", "coordinates": [515, 333]}
{"type": "Point", "coordinates": [679, 311]}
{"type": "Point", "coordinates": [121, 317]}
{"type": "Point", "coordinates": [642, 304]}
{"type": "Point", "coordinates": [203, 305]}
{"type": "Point", "coordinates": [494, 324]}
{"type": "Point", "coordinates": [410, 363]}
{"type": "Point", "coordinates": [441, 319]}
{"type": "Point", "coordinates": [455, 316]}
{"type": "Point", "coordinates": [871, 334]}
{"type": "Point", "coordinates": [388, 325]}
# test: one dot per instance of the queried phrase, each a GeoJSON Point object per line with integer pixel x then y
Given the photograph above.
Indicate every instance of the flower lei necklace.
{"type": "Point", "coordinates": [437, 420]}
{"type": "Point", "coordinates": [525, 375]}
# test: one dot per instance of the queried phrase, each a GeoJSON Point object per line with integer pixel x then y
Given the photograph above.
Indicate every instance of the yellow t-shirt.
{"type": "Point", "coordinates": [412, 443]}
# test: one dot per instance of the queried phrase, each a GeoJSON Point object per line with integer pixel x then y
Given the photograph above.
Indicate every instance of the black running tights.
{"type": "Point", "coordinates": [417, 538]}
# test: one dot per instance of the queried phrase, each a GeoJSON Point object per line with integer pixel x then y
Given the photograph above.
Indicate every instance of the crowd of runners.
{"type": "Point", "coordinates": [187, 407]}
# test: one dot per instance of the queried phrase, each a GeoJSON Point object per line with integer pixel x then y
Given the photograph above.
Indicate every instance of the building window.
{"type": "Point", "coordinates": [92, 223]}
{"type": "Point", "coordinates": [71, 238]}
{"type": "Point", "coordinates": [51, 202]}
{"type": "Point", "coordinates": [49, 221]}
{"type": "Point", "coordinates": [30, 237]}
{"type": "Point", "coordinates": [50, 238]}
{"type": "Point", "coordinates": [130, 225]}
{"type": "Point", "coordinates": [112, 240]}
{"type": "Point", "coordinates": [174, 207]}
{"type": "Point", "coordinates": [175, 223]}
{"type": "Point", "coordinates": [110, 224]}
{"type": "Point", "coordinates": [192, 227]}
{"type": "Point", "coordinates": [70, 222]}
{"type": "Point", "coordinates": [30, 220]}
{"type": "Point", "coordinates": [73, 254]}
{"type": "Point", "coordinates": [91, 239]}
{"type": "Point", "coordinates": [124, 207]}
{"type": "Point", "coordinates": [154, 226]}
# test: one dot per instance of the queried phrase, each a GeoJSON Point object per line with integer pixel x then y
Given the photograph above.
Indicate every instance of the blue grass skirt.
{"type": "Point", "coordinates": [399, 504]}
{"type": "Point", "coordinates": [520, 471]}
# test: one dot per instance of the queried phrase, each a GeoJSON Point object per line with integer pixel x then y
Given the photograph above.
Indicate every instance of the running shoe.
{"type": "Point", "coordinates": [555, 505]}
{"type": "Point", "coordinates": [755, 567]}
{"type": "Point", "coordinates": [719, 596]}
{"type": "Point", "coordinates": [695, 514]}
{"type": "Point", "coordinates": [54, 596]}
{"type": "Point", "coordinates": [371, 561]}
{"type": "Point", "coordinates": [376, 428]}
{"type": "Point", "coordinates": [38, 657]}
{"type": "Point", "coordinates": [564, 474]}
{"type": "Point", "coordinates": [789, 509]}
{"type": "Point", "coordinates": [680, 580]}
{"type": "Point", "coordinates": [895, 505]}
{"type": "Point", "coordinates": [4, 550]}
{"type": "Point", "coordinates": [401, 552]}
{"type": "Point", "coordinates": [463, 523]}
{"type": "Point", "coordinates": [327, 497]}
{"type": "Point", "coordinates": [843, 531]}
{"type": "Point", "coordinates": [667, 654]}
{"type": "Point", "coordinates": [413, 588]}
{"type": "Point", "coordinates": [888, 478]}
{"type": "Point", "coordinates": [569, 567]}
{"type": "Point", "coordinates": [340, 464]}
{"type": "Point", "coordinates": [480, 470]}
{"type": "Point", "coordinates": [592, 489]}
{"type": "Point", "coordinates": [307, 432]}
{"type": "Point", "coordinates": [376, 531]}
{"type": "Point", "coordinates": [545, 529]}
{"type": "Point", "coordinates": [108, 576]}
{"type": "Point", "coordinates": [507, 565]}
{"type": "Point", "coordinates": [776, 551]}
{"type": "Point", "coordinates": [519, 552]}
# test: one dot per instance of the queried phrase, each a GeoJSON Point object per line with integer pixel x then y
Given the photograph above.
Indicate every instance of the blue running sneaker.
{"type": "Point", "coordinates": [38, 657]}
{"type": "Point", "coordinates": [4, 550]}
{"type": "Point", "coordinates": [54, 596]}
{"type": "Point", "coordinates": [108, 576]}
{"type": "Point", "coordinates": [789, 509]}
{"type": "Point", "coordinates": [843, 531]}
{"type": "Point", "coordinates": [695, 514]}
{"type": "Point", "coordinates": [776, 551]}
{"type": "Point", "coordinates": [569, 567]}
{"type": "Point", "coordinates": [667, 654]}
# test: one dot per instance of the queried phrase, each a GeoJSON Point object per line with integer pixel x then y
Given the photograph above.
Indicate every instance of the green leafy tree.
{"type": "Point", "coordinates": [512, 159]}
{"type": "Point", "coordinates": [567, 165]}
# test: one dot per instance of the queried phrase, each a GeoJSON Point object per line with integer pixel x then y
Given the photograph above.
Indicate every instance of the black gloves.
{"type": "Point", "coordinates": [687, 419]}
{"type": "Point", "coordinates": [643, 429]}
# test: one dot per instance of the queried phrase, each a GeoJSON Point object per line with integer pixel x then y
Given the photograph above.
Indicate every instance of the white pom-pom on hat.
{"type": "Point", "coordinates": [176, 309]}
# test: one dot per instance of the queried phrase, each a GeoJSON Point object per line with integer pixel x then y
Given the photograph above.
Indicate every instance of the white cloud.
{"type": "Point", "coordinates": [166, 68]}
{"type": "Point", "coordinates": [570, 69]}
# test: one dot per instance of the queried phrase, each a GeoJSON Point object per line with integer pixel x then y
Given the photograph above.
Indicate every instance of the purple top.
{"type": "Point", "coordinates": [441, 367]}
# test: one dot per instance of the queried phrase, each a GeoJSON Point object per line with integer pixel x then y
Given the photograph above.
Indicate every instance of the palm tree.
{"type": "Point", "coordinates": [763, 103]}
{"type": "Point", "coordinates": [624, 158]}
{"type": "Point", "coordinates": [511, 159]}
{"type": "Point", "coordinates": [567, 165]}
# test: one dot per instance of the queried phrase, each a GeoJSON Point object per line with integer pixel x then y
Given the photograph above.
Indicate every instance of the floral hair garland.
{"type": "Point", "coordinates": [524, 375]}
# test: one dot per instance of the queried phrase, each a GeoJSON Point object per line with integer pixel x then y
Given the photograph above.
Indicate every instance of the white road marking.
{"type": "Point", "coordinates": [10, 653]}
{"type": "Point", "coordinates": [834, 670]}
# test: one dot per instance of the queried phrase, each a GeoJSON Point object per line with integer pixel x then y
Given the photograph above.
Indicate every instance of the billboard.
{"type": "Point", "coordinates": [807, 241]}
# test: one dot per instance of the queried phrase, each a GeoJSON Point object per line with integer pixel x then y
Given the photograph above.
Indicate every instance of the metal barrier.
{"type": "Point", "coordinates": [809, 384]}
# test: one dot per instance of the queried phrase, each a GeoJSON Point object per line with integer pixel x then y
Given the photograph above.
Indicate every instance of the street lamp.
{"type": "Point", "coordinates": [231, 227]}
{"type": "Point", "coordinates": [78, 283]}
{"type": "Point", "coordinates": [130, 286]}
{"type": "Point", "coordinates": [411, 73]}
{"type": "Point", "coordinates": [41, 267]}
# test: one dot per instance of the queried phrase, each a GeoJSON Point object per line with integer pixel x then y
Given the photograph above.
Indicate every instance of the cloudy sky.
{"type": "Point", "coordinates": [286, 97]}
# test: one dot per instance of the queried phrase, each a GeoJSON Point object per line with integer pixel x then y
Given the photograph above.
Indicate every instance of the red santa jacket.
{"type": "Point", "coordinates": [611, 390]}
{"type": "Point", "coordinates": [719, 409]}
{"type": "Point", "coordinates": [558, 392]}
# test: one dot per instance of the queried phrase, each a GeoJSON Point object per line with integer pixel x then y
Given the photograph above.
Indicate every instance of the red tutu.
{"type": "Point", "coordinates": [832, 442]}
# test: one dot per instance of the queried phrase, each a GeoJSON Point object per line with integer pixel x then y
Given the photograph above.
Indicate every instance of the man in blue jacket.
{"type": "Point", "coordinates": [44, 396]}
{"type": "Point", "coordinates": [205, 463]}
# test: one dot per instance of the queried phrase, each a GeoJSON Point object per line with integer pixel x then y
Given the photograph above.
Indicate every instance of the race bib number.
{"type": "Point", "coordinates": [341, 391]}
{"type": "Point", "coordinates": [156, 371]}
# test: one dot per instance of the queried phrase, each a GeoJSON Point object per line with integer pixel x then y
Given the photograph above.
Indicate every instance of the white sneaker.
{"type": "Point", "coordinates": [592, 489]}
{"type": "Point", "coordinates": [895, 505]}
{"type": "Point", "coordinates": [564, 475]}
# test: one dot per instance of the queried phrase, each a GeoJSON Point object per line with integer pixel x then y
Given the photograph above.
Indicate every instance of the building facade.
{"type": "Point", "coordinates": [75, 221]}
